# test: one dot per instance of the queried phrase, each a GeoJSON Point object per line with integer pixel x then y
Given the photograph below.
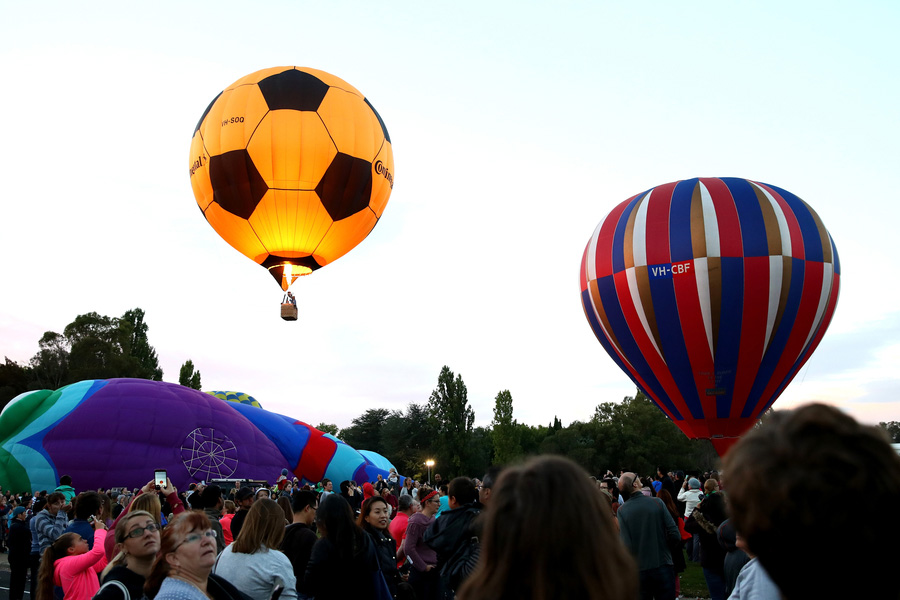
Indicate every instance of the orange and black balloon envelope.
{"type": "Point", "coordinates": [293, 167]}
{"type": "Point", "coordinates": [711, 294]}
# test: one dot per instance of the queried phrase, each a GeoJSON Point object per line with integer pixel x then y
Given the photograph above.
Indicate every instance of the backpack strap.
{"type": "Point", "coordinates": [118, 584]}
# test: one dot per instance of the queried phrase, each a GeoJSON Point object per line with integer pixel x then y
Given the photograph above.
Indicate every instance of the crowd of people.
{"type": "Point", "coordinates": [775, 523]}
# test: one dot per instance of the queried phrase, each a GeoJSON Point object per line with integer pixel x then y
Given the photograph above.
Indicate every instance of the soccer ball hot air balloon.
{"type": "Point", "coordinates": [711, 294]}
{"type": "Point", "coordinates": [293, 167]}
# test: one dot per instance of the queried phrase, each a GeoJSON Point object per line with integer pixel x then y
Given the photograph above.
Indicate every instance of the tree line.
{"type": "Point", "coordinates": [632, 434]}
{"type": "Point", "coordinates": [93, 346]}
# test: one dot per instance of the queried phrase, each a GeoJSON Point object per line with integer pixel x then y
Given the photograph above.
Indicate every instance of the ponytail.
{"type": "Point", "coordinates": [58, 549]}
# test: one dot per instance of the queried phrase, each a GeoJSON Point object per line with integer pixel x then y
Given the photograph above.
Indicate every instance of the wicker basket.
{"type": "Point", "coordinates": [289, 311]}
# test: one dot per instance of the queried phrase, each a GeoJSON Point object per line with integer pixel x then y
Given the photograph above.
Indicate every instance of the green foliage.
{"type": "Point", "coordinates": [188, 377]}
{"type": "Point", "coordinates": [637, 436]}
{"type": "Point", "coordinates": [452, 419]}
{"type": "Point", "coordinates": [505, 430]}
{"type": "Point", "coordinates": [408, 438]}
{"type": "Point", "coordinates": [14, 380]}
{"type": "Point", "coordinates": [328, 428]}
{"type": "Point", "coordinates": [95, 346]}
{"type": "Point", "coordinates": [893, 430]}
{"type": "Point", "coordinates": [137, 345]}
{"type": "Point", "coordinates": [364, 432]}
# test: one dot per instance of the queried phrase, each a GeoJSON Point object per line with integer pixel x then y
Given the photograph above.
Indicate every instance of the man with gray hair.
{"type": "Point", "coordinates": [648, 530]}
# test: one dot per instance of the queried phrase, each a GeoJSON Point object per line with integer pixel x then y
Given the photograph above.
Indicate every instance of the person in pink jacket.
{"type": "Point", "coordinates": [69, 564]}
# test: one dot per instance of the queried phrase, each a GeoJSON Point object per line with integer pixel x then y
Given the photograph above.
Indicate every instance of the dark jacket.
{"type": "Point", "coordinates": [297, 545]}
{"type": "Point", "coordinates": [237, 521]}
{"type": "Point", "coordinates": [455, 538]}
{"type": "Point", "coordinates": [735, 558]}
{"type": "Point", "coordinates": [648, 531]}
{"type": "Point", "coordinates": [19, 542]}
{"type": "Point", "coordinates": [329, 576]}
{"type": "Point", "coordinates": [385, 549]}
{"type": "Point", "coordinates": [133, 582]}
{"type": "Point", "coordinates": [705, 521]}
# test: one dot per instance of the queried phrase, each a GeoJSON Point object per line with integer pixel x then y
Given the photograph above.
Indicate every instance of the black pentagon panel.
{"type": "Point", "coordinates": [346, 187]}
{"type": "Point", "coordinates": [206, 112]}
{"type": "Point", "coordinates": [384, 130]}
{"type": "Point", "coordinates": [293, 89]}
{"type": "Point", "coordinates": [237, 185]}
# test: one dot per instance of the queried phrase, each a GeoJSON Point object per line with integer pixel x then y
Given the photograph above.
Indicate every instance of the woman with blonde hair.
{"type": "Point", "coordinates": [183, 567]}
{"type": "Point", "coordinates": [523, 555]}
{"type": "Point", "coordinates": [253, 563]}
{"type": "Point", "coordinates": [147, 500]}
{"type": "Point", "coordinates": [137, 541]}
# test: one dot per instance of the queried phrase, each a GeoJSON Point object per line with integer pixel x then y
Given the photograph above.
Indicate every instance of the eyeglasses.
{"type": "Point", "coordinates": [138, 532]}
{"type": "Point", "coordinates": [196, 537]}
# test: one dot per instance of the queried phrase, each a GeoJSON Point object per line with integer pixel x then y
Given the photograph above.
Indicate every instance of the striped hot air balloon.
{"type": "Point", "coordinates": [711, 294]}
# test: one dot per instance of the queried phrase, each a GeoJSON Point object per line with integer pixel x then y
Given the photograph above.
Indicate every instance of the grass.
{"type": "Point", "coordinates": [693, 585]}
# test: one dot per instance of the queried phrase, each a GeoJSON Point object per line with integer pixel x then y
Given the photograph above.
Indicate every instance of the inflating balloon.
{"type": "Point", "coordinates": [293, 167]}
{"type": "Point", "coordinates": [711, 294]}
{"type": "Point", "coordinates": [106, 433]}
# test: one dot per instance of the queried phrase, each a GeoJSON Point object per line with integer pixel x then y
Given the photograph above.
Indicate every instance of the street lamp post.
{"type": "Point", "coordinates": [429, 463]}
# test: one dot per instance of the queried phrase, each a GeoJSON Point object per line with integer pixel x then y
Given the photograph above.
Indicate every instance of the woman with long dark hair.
{"type": "Point", "coordinates": [343, 562]}
{"type": "Point", "coordinates": [677, 552]}
{"type": "Point", "coordinates": [374, 518]}
{"type": "Point", "coordinates": [530, 549]}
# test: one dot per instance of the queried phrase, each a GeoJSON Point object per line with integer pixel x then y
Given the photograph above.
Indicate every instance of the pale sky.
{"type": "Point", "coordinates": [516, 127]}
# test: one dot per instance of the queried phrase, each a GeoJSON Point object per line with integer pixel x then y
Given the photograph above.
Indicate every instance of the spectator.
{"type": "Point", "coordinates": [343, 560]}
{"type": "Point", "coordinates": [87, 506]}
{"type": "Point", "coordinates": [65, 487]}
{"type": "Point", "coordinates": [735, 557]}
{"type": "Point", "coordinates": [253, 563]}
{"type": "Point", "coordinates": [137, 540]}
{"type": "Point", "coordinates": [147, 499]}
{"type": "Point", "coordinates": [19, 553]}
{"type": "Point", "coordinates": [244, 500]}
{"type": "Point", "coordinates": [285, 503]}
{"type": "Point", "coordinates": [183, 568]}
{"type": "Point", "coordinates": [351, 494]}
{"type": "Point", "coordinates": [299, 537]}
{"type": "Point", "coordinates": [422, 575]}
{"type": "Point", "coordinates": [523, 554]}
{"type": "Point", "coordinates": [69, 564]}
{"type": "Point", "coordinates": [225, 521]}
{"type": "Point", "coordinates": [374, 517]}
{"type": "Point", "coordinates": [454, 536]}
{"type": "Point", "coordinates": [405, 509]}
{"type": "Point", "coordinates": [648, 531]}
{"type": "Point", "coordinates": [785, 502]}
{"type": "Point", "coordinates": [704, 521]}
{"type": "Point", "coordinates": [212, 502]}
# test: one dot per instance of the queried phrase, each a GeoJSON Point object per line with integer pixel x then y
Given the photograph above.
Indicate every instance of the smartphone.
{"type": "Point", "coordinates": [276, 592]}
{"type": "Point", "coordinates": [159, 476]}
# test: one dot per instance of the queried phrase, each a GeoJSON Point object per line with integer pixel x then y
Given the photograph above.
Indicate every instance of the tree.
{"type": "Point", "coordinates": [505, 430]}
{"type": "Point", "coordinates": [328, 428]}
{"type": "Point", "coordinates": [893, 430]}
{"type": "Point", "coordinates": [635, 435]}
{"type": "Point", "coordinates": [14, 380]}
{"type": "Point", "coordinates": [137, 345]}
{"type": "Point", "coordinates": [95, 346]}
{"type": "Point", "coordinates": [453, 420]}
{"type": "Point", "coordinates": [188, 377]}
{"type": "Point", "coordinates": [408, 438]}
{"type": "Point", "coordinates": [364, 432]}
{"type": "Point", "coordinates": [50, 366]}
